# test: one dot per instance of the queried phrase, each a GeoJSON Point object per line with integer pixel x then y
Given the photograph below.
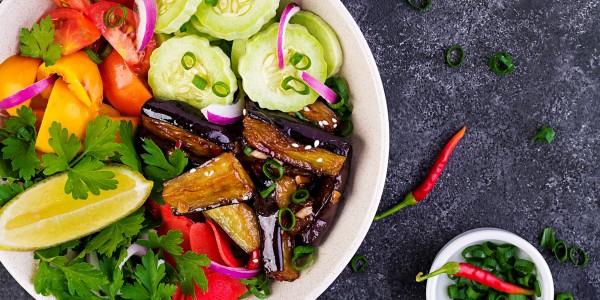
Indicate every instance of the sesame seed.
{"type": "Point", "coordinates": [320, 160]}
{"type": "Point", "coordinates": [211, 173]}
{"type": "Point", "coordinates": [308, 147]}
{"type": "Point", "coordinates": [334, 120]}
{"type": "Point", "coordinates": [325, 123]}
{"type": "Point", "coordinates": [317, 143]}
{"type": "Point", "coordinates": [206, 173]}
{"type": "Point", "coordinates": [295, 145]}
{"type": "Point", "coordinates": [193, 171]}
{"type": "Point", "coordinates": [244, 111]}
{"type": "Point", "coordinates": [306, 108]}
{"type": "Point", "coordinates": [321, 123]}
{"type": "Point", "coordinates": [334, 126]}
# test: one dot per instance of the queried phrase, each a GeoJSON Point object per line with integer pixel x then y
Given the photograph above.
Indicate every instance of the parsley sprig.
{"type": "Point", "coordinates": [18, 140]}
{"type": "Point", "coordinates": [160, 168]}
{"type": "Point", "coordinates": [39, 42]}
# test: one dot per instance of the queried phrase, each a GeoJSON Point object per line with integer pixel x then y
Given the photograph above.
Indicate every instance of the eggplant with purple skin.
{"type": "Point", "coordinates": [270, 234]}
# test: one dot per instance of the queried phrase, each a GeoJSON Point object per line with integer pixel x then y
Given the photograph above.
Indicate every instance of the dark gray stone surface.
{"type": "Point", "coordinates": [497, 177]}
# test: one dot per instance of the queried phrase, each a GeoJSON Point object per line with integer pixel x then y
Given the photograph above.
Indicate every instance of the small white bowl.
{"type": "Point", "coordinates": [437, 286]}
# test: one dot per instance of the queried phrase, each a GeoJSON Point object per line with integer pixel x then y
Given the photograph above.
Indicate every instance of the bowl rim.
{"type": "Point", "coordinates": [479, 235]}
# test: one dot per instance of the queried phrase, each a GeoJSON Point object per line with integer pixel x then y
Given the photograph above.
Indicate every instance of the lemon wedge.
{"type": "Point", "coordinates": [44, 216]}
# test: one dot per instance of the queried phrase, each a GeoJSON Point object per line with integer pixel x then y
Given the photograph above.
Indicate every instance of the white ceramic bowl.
{"type": "Point", "coordinates": [437, 286]}
{"type": "Point", "coordinates": [370, 141]}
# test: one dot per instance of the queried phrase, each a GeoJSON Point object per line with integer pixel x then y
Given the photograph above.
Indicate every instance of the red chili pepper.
{"type": "Point", "coordinates": [474, 273]}
{"type": "Point", "coordinates": [254, 261]}
{"type": "Point", "coordinates": [422, 190]}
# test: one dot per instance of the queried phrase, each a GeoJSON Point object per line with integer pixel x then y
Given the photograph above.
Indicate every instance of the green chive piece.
{"type": "Point", "coordinates": [248, 150]}
{"type": "Point", "coordinates": [300, 196]}
{"type": "Point", "coordinates": [110, 16]}
{"type": "Point", "coordinates": [491, 296]}
{"type": "Point", "coordinates": [301, 62]}
{"type": "Point", "coordinates": [548, 240]}
{"type": "Point", "coordinates": [199, 82]}
{"type": "Point", "coordinates": [545, 134]}
{"type": "Point", "coordinates": [271, 163]}
{"type": "Point", "coordinates": [516, 297]}
{"type": "Point", "coordinates": [306, 253]}
{"type": "Point", "coordinates": [524, 266]}
{"type": "Point", "coordinates": [461, 56]}
{"type": "Point", "coordinates": [107, 50]}
{"type": "Point", "coordinates": [280, 216]}
{"type": "Point", "coordinates": [564, 296]}
{"type": "Point", "coordinates": [346, 128]}
{"type": "Point", "coordinates": [419, 4]}
{"type": "Point", "coordinates": [578, 257]}
{"type": "Point", "coordinates": [257, 286]}
{"type": "Point", "coordinates": [301, 117]}
{"type": "Point", "coordinates": [501, 297]}
{"type": "Point", "coordinates": [188, 60]}
{"type": "Point", "coordinates": [490, 263]}
{"type": "Point", "coordinates": [358, 263]}
{"type": "Point", "coordinates": [340, 87]}
{"type": "Point", "coordinates": [266, 192]}
{"type": "Point", "coordinates": [93, 56]}
{"type": "Point", "coordinates": [453, 291]}
{"type": "Point", "coordinates": [287, 85]}
{"type": "Point", "coordinates": [537, 288]}
{"type": "Point", "coordinates": [465, 253]}
{"type": "Point", "coordinates": [221, 89]}
{"type": "Point", "coordinates": [561, 251]}
{"type": "Point", "coordinates": [211, 3]}
{"type": "Point", "coordinates": [501, 64]}
{"type": "Point", "coordinates": [471, 293]}
{"type": "Point", "coordinates": [489, 248]}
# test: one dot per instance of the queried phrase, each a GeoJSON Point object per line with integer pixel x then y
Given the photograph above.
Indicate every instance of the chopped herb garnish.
{"type": "Point", "coordinates": [545, 134]}
{"type": "Point", "coordinates": [39, 42]}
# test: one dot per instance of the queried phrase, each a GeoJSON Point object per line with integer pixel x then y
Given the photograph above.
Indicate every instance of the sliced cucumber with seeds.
{"type": "Point", "coordinates": [238, 49]}
{"type": "Point", "coordinates": [186, 69]}
{"type": "Point", "coordinates": [332, 50]}
{"type": "Point", "coordinates": [235, 19]}
{"type": "Point", "coordinates": [174, 13]}
{"type": "Point", "coordinates": [277, 89]}
{"type": "Point", "coordinates": [194, 22]}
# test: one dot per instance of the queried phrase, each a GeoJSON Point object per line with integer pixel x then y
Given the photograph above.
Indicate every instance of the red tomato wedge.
{"type": "Point", "coordinates": [73, 31]}
{"type": "Point", "coordinates": [224, 245]}
{"type": "Point", "coordinates": [220, 287]}
{"type": "Point", "coordinates": [76, 4]}
{"type": "Point", "coordinates": [128, 3]}
{"type": "Point", "coordinates": [203, 241]}
{"type": "Point", "coordinates": [118, 25]}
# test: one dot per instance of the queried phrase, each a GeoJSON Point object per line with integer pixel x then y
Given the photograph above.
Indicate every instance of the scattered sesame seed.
{"type": "Point", "coordinates": [325, 123]}
{"type": "Point", "coordinates": [320, 160]}
{"type": "Point", "coordinates": [211, 173]}
{"type": "Point", "coordinates": [317, 143]}
{"type": "Point", "coordinates": [295, 145]}
{"type": "Point", "coordinates": [321, 123]}
{"type": "Point", "coordinates": [306, 108]}
{"type": "Point", "coordinates": [193, 171]}
{"type": "Point", "coordinates": [334, 126]}
{"type": "Point", "coordinates": [334, 120]}
{"type": "Point", "coordinates": [308, 147]}
{"type": "Point", "coordinates": [244, 111]}
{"type": "Point", "coordinates": [206, 173]}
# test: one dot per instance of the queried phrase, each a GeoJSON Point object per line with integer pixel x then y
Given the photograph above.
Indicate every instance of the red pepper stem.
{"type": "Point", "coordinates": [449, 268]}
{"type": "Point", "coordinates": [409, 200]}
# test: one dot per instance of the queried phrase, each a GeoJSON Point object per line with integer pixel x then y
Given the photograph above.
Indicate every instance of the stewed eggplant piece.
{"type": "Point", "coordinates": [220, 181]}
{"type": "Point", "coordinates": [270, 234]}
{"type": "Point", "coordinates": [321, 115]}
{"type": "Point", "coordinates": [239, 222]}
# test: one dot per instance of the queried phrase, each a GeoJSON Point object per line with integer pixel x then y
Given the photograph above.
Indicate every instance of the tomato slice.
{"type": "Point", "coordinates": [76, 4]}
{"type": "Point", "coordinates": [73, 31]}
{"type": "Point", "coordinates": [122, 87]}
{"type": "Point", "coordinates": [123, 36]}
{"type": "Point", "coordinates": [128, 3]}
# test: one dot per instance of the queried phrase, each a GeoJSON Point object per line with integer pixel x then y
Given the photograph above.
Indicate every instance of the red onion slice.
{"type": "Point", "coordinates": [134, 249]}
{"type": "Point", "coordinates": [27, 93]}
{"type": "Point", "coordinates": [147, 12]}
{"type": "Point", "coordinates": [323, 90]}
{"type": "Point", "coordinates": [224, 114]}
{"type": "Point", "coordinates": [92, 259]}
{"type": "Point", "coordinates": [241, 273]}
{"type": "Point", "coordinates": [287, 14]}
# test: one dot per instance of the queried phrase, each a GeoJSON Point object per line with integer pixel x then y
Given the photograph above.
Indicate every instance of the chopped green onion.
{"type": "Point", "coordinates": [537, 288]}
{"type": "Point", "coordinates": [280, 218]}
{"type": "Point", "coordinates": [300, 196]}
{"type": "Point", "coordinates": [199, 82]}
{"type": "Point", "coordinates": [93, 56]}
{"type": "Point", "coordinates": [346, 128]}
{"type": "Point", "coordinates": [461, 56]}
{"type": "Point", "coordinates": [221, 89]}
{"type": "Point", "coordinates": [488, 248]}
{"type": "Point", "coordinates": [501, 64]}
{"type": "Point", "coordinates": [340, 87]}
{"type": "Point", "coordinates": [106, 51]}
{"type": "Point", "coordinates": [271, 163]}
{"type": "Point", "coordinates": [291, 79]}
{"type": "Point", "coordinates": [266, 192]}
{"type": "Point", "coordinates": [301, 62]}
{"type": "Point", "coordinates": [501, 297]}
{"type": "Point", "coordinates": [491, 296]}
{"type": "Point", "coordinates": [183, 28]}
{"type": "Point", "coordinates": [358, 263]}
{"type": "Point", "coordinates": [560, 250]}
{"type": "Point", "coordinates": [110, 16]}
{"type": "Point", "coordinates": [548, 240]}
{"type": "Point", "coordinates": [24, 133]}
{"type": "Point", "coordinates": [306, 253]}
{"type": "Point", "coordinates": [465, 253]}
{"type": "Point", "coordinates": [478, 262]}
{"type": "Point", "coordinates": [516, 297]}
{"type": "Point", "coordinates": [420, 4]}
{"type": "Point", "coordinates": [257, 286]}
{"type": "Point", "coordinates": [471, 293]}
{"type": "Point", "coordinates": [524, 266]}
{"type": "Point", "coordinates": [188, 60]}
{"type": "Point", "coordinates": [211, 3]}
{"type": "Point", "coordinates": [248, 150]}
{"type": "Point", "coordinates": [564, 296]}
{"type": "Point", "coordinates": [490, 263]}
{"type": "Point", "coordinates": [453, 292]}
{"type": "Point", "coordinates": [526, 280]}
{"type": "Point", "coordinates": [578, 257]}
{"type": "Point", "coordinates": [545, 134]}
{"type": "Point", "coordinates": [301, 117]}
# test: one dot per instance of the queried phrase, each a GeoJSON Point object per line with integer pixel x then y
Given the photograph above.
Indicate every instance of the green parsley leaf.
{"type": "Point", "coordinates": [86, 177]}
{"type": "Point", "coordinates": [169, 242]}
{"type": "Point", "coordinates": [149, 276]}
{"type": "Point", "coordinates": [50, 281]}
{"type": "Point", "coordinates": [6, 170]}
{"type": "Point", "coordinates": [9, 191]}
{"type": "Point", "coordinates": [99, 138]}
{"type": "Point", "coordinates": [545, 134]}
{"type": "Point", "coordinates": [65, 147]}
{"type": "Point", "coordinates": [127, 150]}
{"type": "Point", "coordinates": [39, 42]}
{"type": "Point", "coordinates": [189, 270]}
{"type": "Point", "coordinates": [116, 235]}
{"type": "Point", "coordinates": [111, 270]}
{"type": "Point", "coordinates": [160, 169]}
{"type": "Point", "coordinates": [19, 143]}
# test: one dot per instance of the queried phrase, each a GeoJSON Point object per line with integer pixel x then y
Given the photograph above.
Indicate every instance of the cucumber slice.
{"type": "Point", "coordinates": [170, 80]}
{"type": "Point", "coordinates": [262, 78]}
{"type": "Point", "coordinates": [235, 19]}
{"type": "Point", "coordinates": [332, 50]}
{"type": "Point", "coordinates": [194, 22]}
{"type": "Point", "coordinates": [161, 38]}
{"type": "Point", "coordinates": [238, 49]}
{"type": "Point", "coordinates": [174, 13]}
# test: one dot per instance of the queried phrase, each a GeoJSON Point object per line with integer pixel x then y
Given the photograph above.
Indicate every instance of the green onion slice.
{"type": "Point", "coordinates": [271, 163]}
{"type": "Point", "coordinates": [199, 82]}
{"type": "Point", "coordinates": [560, 250]}
{"type": "Point", "coordinates": [526, 280]}
{"type": "Point", "coordinates": [248, 150]}
{"type": "Point", "coordinates": [453, 292]}
{"type": "Point", "coordinates": [578, 257]}
{"type": "Point", "coordinates": [188, 60]}
{"type": "Point", "coordinates": [221, 89]}
{"type": "Point", "coordinates": [106, 51]}
{"type": "Point", "coordinates": [469, 250]}
{"type": "Point", "coordinates": [471, 293]}
{"type": "Point", "coordinates": [93, 56]}
{"type": "Point", "coordinates": [537, 288]}
{"type": "Point", "coordinates": [548, 239]}
{"type": "Point", "coordinates": [517, 297]}
{"type": "Point", "coordinates": [293, 83]}
{"type": "Point", "coordinates": [266, 192]}
{"type": "Point", "coordinates": [110, 18]}
{"type": "Point", "coordinates": [306, 253]}
{"type": "Point", "coordinates": [346, 128]}
{"type": "Point", "coordinates": [358, 263]}
{"type": "Point", "coordinates": [461, 56]}
{"type": "Point", "coordinates": [501, 64]}
{"type": "Point", "coordinates": [301, 62]}
{"type": "Point", "coordinates": [257, 286]}
{"type": "Point", "coordinates": [524, 266]}
{"type": "Point", "coordinates": [564, 296]}
{"type": "Point", "coordinates": [300, 196]}
{"type": "Point", "coordinates": [301, 117]}
{"type": "Point", "coordinates": [419, 4]}
{"type": "Point", "coordinates": [501, 297]}
{"type": "Point", "coordinates": [280, 216]}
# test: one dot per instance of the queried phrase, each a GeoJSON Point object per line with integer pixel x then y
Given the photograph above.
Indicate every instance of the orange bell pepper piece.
{"type": "Point", "coordinates": [16, 73]}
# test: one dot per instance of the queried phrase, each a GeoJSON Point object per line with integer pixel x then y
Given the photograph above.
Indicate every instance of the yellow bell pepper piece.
{"type": "Point", "coordinates": [16, 73]}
